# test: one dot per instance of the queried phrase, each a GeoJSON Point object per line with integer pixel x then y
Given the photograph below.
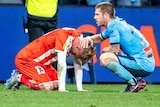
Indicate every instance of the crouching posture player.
{"type": "Point", "coordinates": [34, 61]}
{"type": "Point", "coordinates": [135, 60]}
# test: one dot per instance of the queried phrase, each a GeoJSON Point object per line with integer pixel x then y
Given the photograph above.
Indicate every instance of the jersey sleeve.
{"type": "Point", "coordinates": [114, 37]}
{"type": "Point", "coordinates": [64, 44]}
{"type": "Point", "coordinates": [111, 32]}
{"type": "Point", "coordinates": [59, 44]}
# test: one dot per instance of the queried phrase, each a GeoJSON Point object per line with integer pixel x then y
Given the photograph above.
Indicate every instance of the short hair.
{"type": "Point", "coordinates": [88, 53]}
{"type": "Point", "coordinates": [106, 7]}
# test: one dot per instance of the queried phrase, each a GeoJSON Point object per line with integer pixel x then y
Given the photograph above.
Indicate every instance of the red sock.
{"type": "Point", "coordinates": [26, 81]}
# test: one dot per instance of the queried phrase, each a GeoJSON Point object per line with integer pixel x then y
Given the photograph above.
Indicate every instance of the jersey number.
{"type": "Point", "coordinates": [40, 70]}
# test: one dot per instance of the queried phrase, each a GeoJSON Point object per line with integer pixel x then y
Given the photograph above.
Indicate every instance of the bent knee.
{"type": "Point", "coordinates": [49, 86]}
{"type": "Point", "coordinates": [107, 57]}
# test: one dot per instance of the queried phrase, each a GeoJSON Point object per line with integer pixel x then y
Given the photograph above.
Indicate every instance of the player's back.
{"type": "Point", "coordinates": [47, 43]}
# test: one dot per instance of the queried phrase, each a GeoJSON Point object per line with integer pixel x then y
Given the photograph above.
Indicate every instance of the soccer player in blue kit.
{"type": "Point", "coordinates": [135, 60]}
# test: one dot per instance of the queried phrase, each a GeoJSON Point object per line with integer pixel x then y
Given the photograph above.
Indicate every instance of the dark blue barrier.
{"type": "Point", "coordinates": [13, 37]}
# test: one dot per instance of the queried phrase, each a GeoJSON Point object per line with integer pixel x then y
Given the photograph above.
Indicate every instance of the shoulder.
{"type": "Point", "coordinates": [117, 24]}
{"type": "Point", "coordinates": [114, 23]}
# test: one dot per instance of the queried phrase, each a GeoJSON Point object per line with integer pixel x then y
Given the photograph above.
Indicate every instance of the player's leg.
{"type": "Point", "coordinates": [112, 62]}
{"type": "Point", "coordinates": [52, 84]}
{"type": "Point", "coordinates": [132, 66]}
{"type": "Point", "coordinates": [34, 29]}
{"type": "Point", "coordinates": [50, 25]}
{"type": "Point", "coordinates": [32, 73]}
{"type": "Point", "coordinates": [29, 82]}
{"type": "Point", "coordinates": [135, 69]}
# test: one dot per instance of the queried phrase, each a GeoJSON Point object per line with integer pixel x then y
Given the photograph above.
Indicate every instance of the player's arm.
{"type": "Point", "coordinates": [78, 70]}
{"type": "Point", "coordinates": [96, 38]}
{"type": "Point", "coordinates": [113, 48]}
{"type": "Point", "coordinates": [61, 66]}
{"type": "Point", "coordinates": [114, 37]}
{"type": "Point", "coordinates": [78, 73]}
{"type": "Point", "coordinates": [92, 39]}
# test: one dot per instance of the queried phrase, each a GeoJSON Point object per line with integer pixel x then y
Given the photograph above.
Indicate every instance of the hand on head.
{"type": "Point", "coordinates": [86, 42]}
{"type": "Point", "coordinates": [88, 53]}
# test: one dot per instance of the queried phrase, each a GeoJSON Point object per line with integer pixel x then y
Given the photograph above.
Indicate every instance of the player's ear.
{"type": "Point", "coordinates": [79, 47]}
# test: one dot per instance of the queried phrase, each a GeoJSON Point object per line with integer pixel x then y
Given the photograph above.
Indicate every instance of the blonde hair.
{"type": "Point", "coordinates": [88, 53]}
{"type": "Point", "coordinates": [106, 7]}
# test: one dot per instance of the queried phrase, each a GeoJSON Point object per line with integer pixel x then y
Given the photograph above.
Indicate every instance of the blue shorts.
{"type": "Point", "coordinates": [131, 65]}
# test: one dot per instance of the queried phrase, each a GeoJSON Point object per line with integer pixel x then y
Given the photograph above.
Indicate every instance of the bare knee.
{"type": "Point", "coordinates": [49, 86]}
{"type": "Point", "coordinates": [107, 57]}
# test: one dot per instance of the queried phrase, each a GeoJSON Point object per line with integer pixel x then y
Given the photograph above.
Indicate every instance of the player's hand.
{"type": "Point", "coordinates": [85, 42]}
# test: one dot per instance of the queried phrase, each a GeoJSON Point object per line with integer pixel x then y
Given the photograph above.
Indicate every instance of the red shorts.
{"type": "Point", "coordinates": [36, 71]}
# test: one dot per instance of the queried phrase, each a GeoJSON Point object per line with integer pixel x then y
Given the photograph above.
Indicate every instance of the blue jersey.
{"type": "Point", "coordinates": [132, 42]}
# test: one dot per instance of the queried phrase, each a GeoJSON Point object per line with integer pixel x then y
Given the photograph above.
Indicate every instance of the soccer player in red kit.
{"type": "Point", "coordinates": [34, 61]}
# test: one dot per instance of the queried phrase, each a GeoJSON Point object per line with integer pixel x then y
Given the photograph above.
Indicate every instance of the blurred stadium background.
{"type": "Point", "coordinates": [76, 13]}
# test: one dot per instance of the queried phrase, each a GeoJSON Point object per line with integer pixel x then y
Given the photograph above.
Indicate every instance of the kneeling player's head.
{"type": "Point", "coordinates": [88, 53]}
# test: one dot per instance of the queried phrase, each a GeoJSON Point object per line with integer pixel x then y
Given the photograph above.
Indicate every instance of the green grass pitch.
{"type": "Point", "coordinates": [102, 95]}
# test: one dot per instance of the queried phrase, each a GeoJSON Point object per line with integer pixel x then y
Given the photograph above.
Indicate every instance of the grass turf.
{"type": "Point", "coordinates": [102, 95]}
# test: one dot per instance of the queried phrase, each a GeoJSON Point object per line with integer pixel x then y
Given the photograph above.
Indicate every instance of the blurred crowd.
{"type": "Point", "coordinates": [155, 3]}
{"type": "Point", "coordinates": [115, 2]}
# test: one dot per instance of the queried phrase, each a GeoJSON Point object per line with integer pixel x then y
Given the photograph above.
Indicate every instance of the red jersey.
{"type": "Point", "coordinates": [43, 49]}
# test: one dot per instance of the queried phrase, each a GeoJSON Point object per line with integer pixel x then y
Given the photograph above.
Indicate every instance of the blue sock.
{"type": "Point", "coordinates": [120, 71]}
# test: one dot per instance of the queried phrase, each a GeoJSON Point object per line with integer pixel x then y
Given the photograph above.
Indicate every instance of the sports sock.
{"type": "Point", "coordinates": [27, 82]}
{"type": "Point", "coordinates": [19, 77]}
{"type": "Point", "coordinates": [120, 71]}
{"type": "Point", "coordinates": [138, 78]}
{"type": "Point", "coordinates": [133, 81]}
